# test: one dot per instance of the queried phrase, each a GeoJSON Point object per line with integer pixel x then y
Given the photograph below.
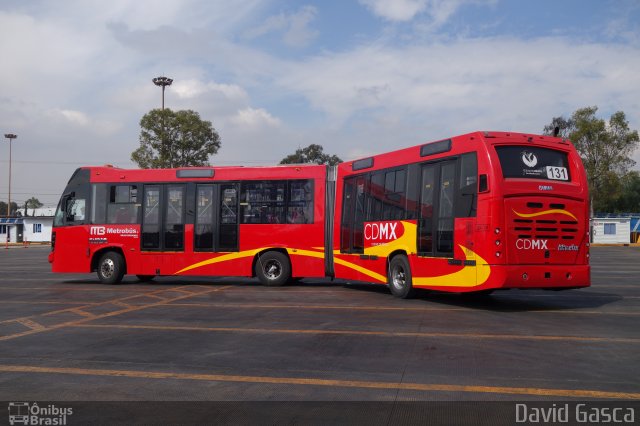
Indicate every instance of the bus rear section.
{"type": "Point", "coordinates": [473, 213]}
{"type": "Point", "coordinates": [225, 221]}
{"type": "Point", "coordinates": [540, 201]}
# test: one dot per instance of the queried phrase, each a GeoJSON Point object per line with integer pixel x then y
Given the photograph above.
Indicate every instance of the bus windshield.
{"type": "Point", "coordinates": [533, 163]}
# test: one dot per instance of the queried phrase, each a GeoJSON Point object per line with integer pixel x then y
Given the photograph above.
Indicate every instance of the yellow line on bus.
{"type": "Point", "coordinates": [363, 333]}
{"type": "Point", "coordinates": [309, 381]}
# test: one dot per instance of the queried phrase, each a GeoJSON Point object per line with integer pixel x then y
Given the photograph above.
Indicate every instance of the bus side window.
{"type": "Point", "coordinates": [300, 202]}
{"type": "Point", "coordinates": [123, 206]}
{"type": "Point", "coordinates": [466, 203]}
{"type": "Point", "coordinates": [75, 210]}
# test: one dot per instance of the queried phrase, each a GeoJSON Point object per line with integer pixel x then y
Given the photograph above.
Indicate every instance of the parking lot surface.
{"type": "Point", "coordinates": [69, 338]}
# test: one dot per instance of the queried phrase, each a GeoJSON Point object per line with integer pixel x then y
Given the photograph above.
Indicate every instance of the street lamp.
{"type": "Point", "coordinates": [11, 137]}
{"type": "Point", "coordinates": [162, 82]}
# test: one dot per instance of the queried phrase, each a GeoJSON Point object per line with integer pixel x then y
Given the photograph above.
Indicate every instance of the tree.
{"type": "Point", "coordinates": [3, 208]}
{"type": "Point", "coordinates": [175, 139]}
{"type": "Point", "coordinates": [628, 199]}
{"type": "Point", "coordinates": [312, 154]}
{"type": "Point", "coordinates": [605, 149]}
{"type": "Point", "coordinates": [32, 203]}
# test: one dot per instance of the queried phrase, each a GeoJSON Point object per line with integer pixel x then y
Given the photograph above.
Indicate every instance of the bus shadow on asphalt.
{"type": "Point", "coordinates": [507, 300]}
{"type": "Point", "coordinates": [500, 301]}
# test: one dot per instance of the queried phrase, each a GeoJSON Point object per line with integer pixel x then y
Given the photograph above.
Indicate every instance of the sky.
{"type": "Point", "coordinates": [358, 77]}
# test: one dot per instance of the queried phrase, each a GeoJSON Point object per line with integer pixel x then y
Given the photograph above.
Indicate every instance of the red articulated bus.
{"type": "Point", "coordinates": [473, 213]}
{"type": "Point", "coordinates": [223, 221]}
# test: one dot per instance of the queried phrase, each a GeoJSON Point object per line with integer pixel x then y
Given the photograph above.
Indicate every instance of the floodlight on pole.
{"type": "Point", "coordinates": [163, 82]}
{"type": "Point", "coordinates": [11, 137]}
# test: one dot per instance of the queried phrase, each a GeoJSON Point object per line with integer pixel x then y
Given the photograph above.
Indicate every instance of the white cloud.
{"type": "Point", "coordinates": [438, 11]}
{"type": "Point", "coordinates": [74, 117]}
{"type": "Point", "coordinates": [192, 88]}
{"type": "Point", "coordinates": [294, 26]}
{"type": "Point", "coordinates": [522, 86]}
{"type": "Point", "coordinates": [252, 118]}
{"type": "Point", "coordinates": [396, 10]}
{"type": "Point", "coordinates": [79, 79]}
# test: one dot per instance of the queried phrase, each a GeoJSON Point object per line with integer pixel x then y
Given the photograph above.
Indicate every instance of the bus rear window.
{"type": "Point", "coordinates": [533, 163]}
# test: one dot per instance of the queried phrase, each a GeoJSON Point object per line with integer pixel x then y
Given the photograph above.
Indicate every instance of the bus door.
{"type": "Point", "coordinates": [163, 218]}
{"type": "Point", "coordinates": [353, 216]}
{"type": "Point", "coordinates": [228, 217]}
{"type": "Point", "coordinates": [436, 215]}
{"type": "Point", "coordinates": [216, 223]}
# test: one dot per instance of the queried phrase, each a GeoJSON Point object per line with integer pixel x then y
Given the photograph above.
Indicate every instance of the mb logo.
{"type": "Point", "coordinates": [97, 230]}
{"type": "Point", "coordinates": [529, 159]}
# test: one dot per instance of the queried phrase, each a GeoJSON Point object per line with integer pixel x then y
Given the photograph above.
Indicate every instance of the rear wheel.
{"type": "Point", "coordinates": [400, 277]}
{"type": "Point", "coordinates": [111, 268]}
{"type": "Point", "coordinates": [273, 268]}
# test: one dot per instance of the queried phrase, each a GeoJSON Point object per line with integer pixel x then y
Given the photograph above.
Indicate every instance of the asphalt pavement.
{"type": "Point", "coordinates": [70, 338]}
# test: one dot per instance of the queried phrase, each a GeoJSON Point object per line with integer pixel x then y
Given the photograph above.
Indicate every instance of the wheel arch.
{"type": "Point", "coordinates": [99, 253]}
{"type": "Point", "coordinates": [394, 254]}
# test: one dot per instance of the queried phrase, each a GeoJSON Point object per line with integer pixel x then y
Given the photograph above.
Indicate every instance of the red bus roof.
{"type": "Point", "coordinates": [460, 144]}
{"type": "Point", "coordinates": [288, 171]}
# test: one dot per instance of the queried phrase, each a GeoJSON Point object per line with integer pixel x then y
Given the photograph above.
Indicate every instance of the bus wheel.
{"type": "Point", "coordinates": [273, 268]}
{"type": "Point", "coordinates": [111, 268]}
{"type": "Point", "coordinates": [145, 278]}
{"type": "Point", "coordinates": [400, 277]}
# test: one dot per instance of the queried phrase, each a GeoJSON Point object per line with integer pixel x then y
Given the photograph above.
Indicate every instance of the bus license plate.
{"type": "Point", "coordinates": [557, 173]}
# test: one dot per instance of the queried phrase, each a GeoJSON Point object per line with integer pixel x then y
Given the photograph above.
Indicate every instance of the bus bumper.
{"type": "Point", "coordinates": [541, 276]}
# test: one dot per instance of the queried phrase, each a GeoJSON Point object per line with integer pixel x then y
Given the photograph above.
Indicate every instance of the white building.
{"type": "Point", "coordinates": [37, 229]}
{"type": "Point", "coordinates": [10, 229]}
{"type": "Point", "coordinates": [31, 229]}
{"type": "Point", "coordinates": [611, 230]}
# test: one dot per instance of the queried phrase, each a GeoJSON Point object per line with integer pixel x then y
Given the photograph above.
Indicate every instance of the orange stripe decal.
{"type": "Point", "coordinates": [545, 212]}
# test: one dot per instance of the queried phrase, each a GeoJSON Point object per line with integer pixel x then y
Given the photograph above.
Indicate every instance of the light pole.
{"type": "Point", "coordinates": [162, 82]}
{"type": "Point", "coordinates": [11, 137]}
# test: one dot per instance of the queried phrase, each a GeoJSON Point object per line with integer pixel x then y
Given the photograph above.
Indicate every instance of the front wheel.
{"type": "Point", "coordinates": [111, 268]}
{"type": "Point", "coordinates": [400, 277]}
{"type": "Point", "coordinates": [273, 268]}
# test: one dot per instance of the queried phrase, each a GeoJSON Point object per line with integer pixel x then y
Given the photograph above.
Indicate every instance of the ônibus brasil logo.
{"type": "Point", "coordinates": [25, 413]}
{"type": "Point", "coordinates": [529, 159]}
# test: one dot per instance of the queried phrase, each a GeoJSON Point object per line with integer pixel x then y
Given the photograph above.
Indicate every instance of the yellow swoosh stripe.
{"type": "Point", "coordinates": [469, 276]}
{"type": "Point", "coordinates": [339, 261]}
{"type": "Point", "coordinates": [223, 258]}
{"type": "Point", "coordinates": [552, 211]}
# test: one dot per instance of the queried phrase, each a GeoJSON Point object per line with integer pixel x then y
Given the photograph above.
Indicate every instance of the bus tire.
{"type": "Point", "coordinates": [145, 278]}
{"type": "Point", "coordinates": [273, 268]}
{"type": "Point", "coordinates": [400, 277]}
{"type": "Point", "coordinates": [111, 268]}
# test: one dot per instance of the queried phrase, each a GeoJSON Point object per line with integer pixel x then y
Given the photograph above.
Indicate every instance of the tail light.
{"type": "Point", "coordinates": [53, 240]}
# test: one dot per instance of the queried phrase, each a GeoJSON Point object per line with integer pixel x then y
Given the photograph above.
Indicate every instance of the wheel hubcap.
{"type": "Point", "coordinates": [272, 269]}
{"type": "Point", "coordinates": [107, 268]}
{"type": "Point", "coordinates": [398, 276]}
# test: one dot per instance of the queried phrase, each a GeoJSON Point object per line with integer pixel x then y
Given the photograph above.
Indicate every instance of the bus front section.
{"type": "Point", "coordinates": [539, 207]}
{"type": "Point", "coordinates": [69, 238]}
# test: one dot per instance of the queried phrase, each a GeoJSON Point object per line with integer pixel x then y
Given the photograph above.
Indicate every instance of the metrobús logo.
{"type": "Point", "coordinates": [529, 159]}
{"type": "Point", "coordinates": [101, 231]}
{"type": "Point", "coordinates": [25, 413]}
{"type": "Point", "coordinates": [378, 233]}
